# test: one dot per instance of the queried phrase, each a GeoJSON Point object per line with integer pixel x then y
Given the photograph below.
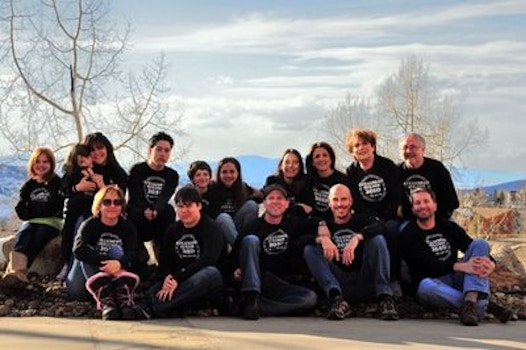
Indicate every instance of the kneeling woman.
{"type": "Point", "coordinates": [105, 248]}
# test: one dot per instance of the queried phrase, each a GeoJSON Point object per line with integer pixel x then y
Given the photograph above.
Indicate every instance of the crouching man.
{"type": "Point", "coordinates": [351, 264]}
{"type": "Point", "coordinates": [430, 247]}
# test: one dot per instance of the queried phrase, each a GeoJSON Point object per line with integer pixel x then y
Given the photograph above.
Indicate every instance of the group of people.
{"type": "Point", "coordinates": [323, 235]}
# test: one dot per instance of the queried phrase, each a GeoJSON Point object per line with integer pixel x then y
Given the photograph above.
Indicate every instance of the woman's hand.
{"type": "Point", "coordinates": [111, 267]}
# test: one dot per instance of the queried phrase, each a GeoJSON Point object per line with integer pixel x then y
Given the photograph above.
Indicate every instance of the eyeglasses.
{"type": "Point", "coordinates": [115, 202]}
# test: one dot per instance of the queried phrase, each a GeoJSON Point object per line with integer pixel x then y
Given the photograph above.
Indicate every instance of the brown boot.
{"type": "Point", "coordinates": [15, 275]}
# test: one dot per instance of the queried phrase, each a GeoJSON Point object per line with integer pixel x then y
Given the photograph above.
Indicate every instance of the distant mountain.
{"type": "Point", "coordinates": [255, 170]}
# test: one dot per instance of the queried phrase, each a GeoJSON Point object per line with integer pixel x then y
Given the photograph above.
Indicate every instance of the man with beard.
{"type": "Point", "coordinates": [430, 246]}
{"type": "Point", "coordinates": [352, 263]}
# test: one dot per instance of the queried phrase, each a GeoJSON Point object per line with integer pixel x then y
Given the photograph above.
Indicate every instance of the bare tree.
{"type": "Point", "coordinates": [64, 79]}
{"type": "Point", "coordinates": [353, 111]}
{"type": "Point", "coordinates": [410, 100]}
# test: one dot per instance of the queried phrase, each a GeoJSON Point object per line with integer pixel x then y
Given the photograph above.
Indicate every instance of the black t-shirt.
{"type": "Point", "coordinates": [431, 175]}
{"type": "Point", "coordinates": [433, 252]}
{"type": "Point", "coordinates": [95, 239]}
{"type": "Point", "coordinates": [184, 251]}
{"type": "Point", "coordinates": [150, 189]}
{"type": "Point", "coordinates": [320, 187]}
{"type": "Point", "coordinates": [40, 200]}
{"type": "Point", "coordinates": [376, 191]}
{"type": "Point", "coordinates": [282, 244]}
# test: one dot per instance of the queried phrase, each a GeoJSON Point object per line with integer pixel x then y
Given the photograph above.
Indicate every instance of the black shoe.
{"type": "Point", "coordinates": [468, 314]}
{"type": "Point", "coordinates": [339, 309]}
{"type": "Point", "coordinates": [127, 313]}
{"type": "Point", "coordinates": [110, 311]}
{"type": "Point", "coordinates": [503, 314]}
{"type": "Point", "coordinates": [387, 309]}
{"type": "Point", "coordinates": [251, 309]}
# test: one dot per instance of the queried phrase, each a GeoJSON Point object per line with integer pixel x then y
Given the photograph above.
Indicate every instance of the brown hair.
{"type": "Point", "coordinates": [33, 160]}
{"type": "Point", "coordinates": [367, 135]}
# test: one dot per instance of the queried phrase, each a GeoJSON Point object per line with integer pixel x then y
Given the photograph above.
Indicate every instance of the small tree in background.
{"type": "Point", "coordinates": [64, 80]}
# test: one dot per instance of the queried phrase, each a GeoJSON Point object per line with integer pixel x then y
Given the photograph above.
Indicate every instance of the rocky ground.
{"type": "Point", "coordinates": [46, 297]}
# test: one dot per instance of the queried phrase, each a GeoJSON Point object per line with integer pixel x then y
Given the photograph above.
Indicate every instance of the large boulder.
{"type": "Point", "coordinates": [47, 263]}
{"type": "Point", "coordinates": [511, 254]}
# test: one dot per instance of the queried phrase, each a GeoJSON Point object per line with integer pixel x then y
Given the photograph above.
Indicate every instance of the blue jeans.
{"type": "Point", "coordinates": [80, 272]}
{"type": "Point", "coordinates": [372, 280]}
{"type": "Point", "coordinates": [76, 280]}
{"type": "Point", "coordinates": [231, 225]}
{"type": "Point", "coordinates": [448, 291]}
{"type": "Point", "coordinates": [205, 285]}
{"type": "Point", "coordinates": [31, 239]}
{"type": "Point", "coordinates": [277, 296]}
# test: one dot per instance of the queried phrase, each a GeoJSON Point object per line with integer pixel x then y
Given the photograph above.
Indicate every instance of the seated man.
{"type": "Point", "coordinates": [269, 251]}
{"type": "Point", "coordinates": [346, 269]}
{"type": "Point", "coordinates": [430, 246]}
{"type": "Point", "coordinates": [191, 251]}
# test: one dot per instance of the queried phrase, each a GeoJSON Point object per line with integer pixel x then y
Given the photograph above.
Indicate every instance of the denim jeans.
{"type": "Point", "coordinates": [448, 291]}
{"type": "Point", "coordinates": [76, 279]}
{"type": "Point", "coordinates": [277, 296]}
{"type": "Point", "coordinates": [205, 285]}
{"type": "Point", "coordinates": [231, 225]}
{"type": "Point", "coordinates": [372, 280]}
{"type": "Point", "coordinates": [31, 239]}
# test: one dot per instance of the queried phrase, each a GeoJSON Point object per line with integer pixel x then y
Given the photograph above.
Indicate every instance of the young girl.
{"type": "Point", "coordinates": [40, 206]}
{"type": "Point", "coordinates": [200, 174]}
{"type": "Point", "coordinates": [105, 248]}
{"type": "Point", "coordinates": [79, 186]}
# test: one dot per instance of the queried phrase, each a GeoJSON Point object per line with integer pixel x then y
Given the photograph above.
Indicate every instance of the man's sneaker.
{"type": "Point", "coordinates": [251, 309]}
{"type": "Point", "coordinates": [468, 314]}
{"type": "Point", "coordinates": [503, 314]}
{"type": "Point", "coordinates": [339, 309]}
{"type": "Point", "coordinates": [387, 309]}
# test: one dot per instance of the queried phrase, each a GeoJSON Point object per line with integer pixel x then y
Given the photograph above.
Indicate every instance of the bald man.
{"type": "Point", "coordinates": [351, 264]}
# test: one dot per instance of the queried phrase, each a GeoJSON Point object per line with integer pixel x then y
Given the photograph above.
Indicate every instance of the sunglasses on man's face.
{"type": "Point", "coordinates": [115, 202]}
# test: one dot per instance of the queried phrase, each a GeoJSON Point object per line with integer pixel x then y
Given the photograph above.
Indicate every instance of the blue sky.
{"type": "Point", "coordinates": [256, 77]}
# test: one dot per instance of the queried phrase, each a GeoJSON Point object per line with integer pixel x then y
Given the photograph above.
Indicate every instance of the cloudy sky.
{"type": "Point", "coordinates": [256, 77]}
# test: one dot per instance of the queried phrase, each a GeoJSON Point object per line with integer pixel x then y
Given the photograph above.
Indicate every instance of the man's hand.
{"type": "Point", "coordinates": [168, 289]}
{"type": "Point", "coordinates": [348, 251]}
{"type": "Point", "coordinates": [480, 266]}
{"type": "Point", "coordinates": [330, 251]}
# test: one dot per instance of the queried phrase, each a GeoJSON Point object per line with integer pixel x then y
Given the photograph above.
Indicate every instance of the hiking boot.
{"type": "Point", "coordinates": [387, 309]}
{"type": "Point", "coordinates": [142, 312]}
{"type": "Point", "coordinates": [124, 288]}
{"type": "Point", "coordinates": [251, 309]}
{"type": "Point", "coordinates": [339, 309]}
{"type": "Point", "coordinates": [503, 314]}
{"type": "Point", "coordinates": [110, 311]}
{"type": "Point", "coordinates": [468, 314]}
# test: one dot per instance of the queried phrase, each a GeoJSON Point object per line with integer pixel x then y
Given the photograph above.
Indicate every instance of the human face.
{"type": "Point", "coordinates": [423, 207]}
{"type": "Point", "coordinates": [110, 207]}
{"type": "Point", "coordinates": [160, 154]}
{"type": "Point", "coordinates": [340, 202]}
{"type": "Point", "coordinates": [362, 150]}
{"type": "Point", "coordinates": [201, 179]}
{"type": "Point", "coordinates": [321, 160]}
{"type": "Point", "coordinates": [412, 152]}
{"type": "Point", "coordinates": [84, 162]}
{"type": "Point", "coordinates": [290, 166]}
{"type": "Point", "coordinates": [99, 154]}
{"type": "Point", "coordinates": [42, 166]}
{"type": "Point", "coordinates": [188, 213]}
{"type": "Point", "coordinates": [275, 204]}
{"type": "Point", "coordinates": [228, 174]}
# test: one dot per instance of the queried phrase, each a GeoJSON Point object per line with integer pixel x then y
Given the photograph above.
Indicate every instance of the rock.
{"type": "Point", "coordinates": [4, 310]}
{"type": "Point", "coordinates": [48, 262]}
{"type": "Point", "coordinates": [510, 254]}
